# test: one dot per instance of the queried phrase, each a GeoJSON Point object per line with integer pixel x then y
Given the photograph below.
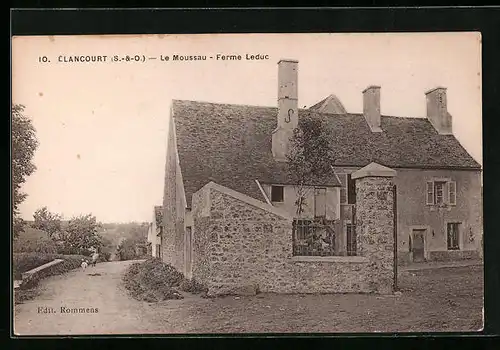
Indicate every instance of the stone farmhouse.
{"type": "Point", "coordinates": [401, 189]}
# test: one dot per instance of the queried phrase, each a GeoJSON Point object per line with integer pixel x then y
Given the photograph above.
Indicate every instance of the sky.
{"type": "Point", "coordinates": [102, 126]}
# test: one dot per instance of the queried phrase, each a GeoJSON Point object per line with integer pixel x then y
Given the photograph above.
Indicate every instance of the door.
{"type": "Point", "coordinates": [189, 250]}
{"type": "Point", "coordinates": [417, 246]}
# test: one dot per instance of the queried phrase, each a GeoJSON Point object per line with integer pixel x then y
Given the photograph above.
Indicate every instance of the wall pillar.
{"type": "Point", "coordinates": [375, 224]}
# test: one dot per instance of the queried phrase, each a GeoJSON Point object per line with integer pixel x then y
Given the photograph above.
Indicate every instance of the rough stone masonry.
{"type": "Point", "coordinates": [243, 246]}
{"type": "Point", "coordinates": [375, 230]}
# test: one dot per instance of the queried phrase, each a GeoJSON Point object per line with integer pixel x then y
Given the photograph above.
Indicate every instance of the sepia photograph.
{"type": "Point", "coordinates": [247, 183]}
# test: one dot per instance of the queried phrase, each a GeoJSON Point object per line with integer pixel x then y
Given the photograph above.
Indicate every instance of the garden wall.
{"type": "Point", "coordinates": [242, 246]}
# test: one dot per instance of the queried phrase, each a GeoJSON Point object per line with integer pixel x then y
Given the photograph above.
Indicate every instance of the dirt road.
{"type": "Point", "coordinates": [443, 299]}
{"type": "Point", "coordinates": [101, 303]}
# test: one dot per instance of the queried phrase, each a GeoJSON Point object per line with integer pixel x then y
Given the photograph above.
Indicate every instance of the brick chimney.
{"type": "Point", "coordinates": [371, 107]}
{"type": "Point", "coordinates": [288, 111]}
{"type": "Point", "coordinates": [437, 110]}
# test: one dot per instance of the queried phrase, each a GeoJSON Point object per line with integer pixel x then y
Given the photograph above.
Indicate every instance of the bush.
{"type": "Point", "coordinates": [192, 286]}
{"type": "Point", "coordinates": [26, 261]}
{"type": "Point", "coordinates": [153, 281]}
{"type": "Point", "coordinates": [36, 245]}
{"type": "Point", "coordinates": [104, 256]}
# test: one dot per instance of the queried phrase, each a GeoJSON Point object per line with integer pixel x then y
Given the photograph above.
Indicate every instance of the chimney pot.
{"type": "Point", "coordinates": [371, 107]}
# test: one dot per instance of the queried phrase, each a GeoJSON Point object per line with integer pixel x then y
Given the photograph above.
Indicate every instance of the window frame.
{"type": "Point", "coordinates": [315, 202]}
{"type": "Point", "coordinates": [282, 193]}
{"type": "Point", "coordinates": [443, 190]}
{"type": "Point", "coordinates": [449, 192]}
{"type": "Point", "coordinates": [458, 236]}
{"type": "Point", "coordinates": [454, 185]}
{"type": "Point", "coordinates": [343, 187]}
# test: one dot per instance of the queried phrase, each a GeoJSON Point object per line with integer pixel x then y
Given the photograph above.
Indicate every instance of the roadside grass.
{"type": "Point", "coordinates": [434, 300]}
{"type": "Point", "coordinates": [153, 281]}
{"type": "Point", "coordinates": [23, 262]}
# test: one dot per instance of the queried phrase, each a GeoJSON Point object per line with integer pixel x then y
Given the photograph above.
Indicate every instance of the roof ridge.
{"type": "Point", "coordinates": [223, 104]}
{"type": "Point", "coordinates": [300, 109]}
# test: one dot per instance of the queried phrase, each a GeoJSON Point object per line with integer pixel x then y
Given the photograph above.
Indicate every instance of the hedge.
{"type": "Point", "coordinates": [23, 262]}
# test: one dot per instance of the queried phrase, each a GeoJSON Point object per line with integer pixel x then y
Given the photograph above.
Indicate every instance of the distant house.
{"type": "Point", "coordinates": [242, 148]}
{"type": "Point", "coordinates": [155, 231]}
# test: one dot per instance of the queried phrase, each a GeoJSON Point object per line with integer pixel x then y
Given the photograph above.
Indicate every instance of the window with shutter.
{"type": "Point", "coordinates": [452, 193]}
{"type": "Point", "coordinates": [439, 192]}
{"type": "Point", "coordinates": [343, 188]}
{"type": "Point", "coordinates": [430, 193]}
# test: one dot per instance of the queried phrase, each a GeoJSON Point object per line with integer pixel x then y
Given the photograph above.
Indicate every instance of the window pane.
{"type": "Point", "coordinates": [452, 192]}
{"type": "Point", "coordinates": [430, 193]}
{"type": "Point", "coordinates": [277, 193]}
{"type": "Point", "coordinates": [438, 192]}
{"type": "Point", "coordinates": [351, 190]}
{"type": "Point", "coordinates": [343, 188]}
{"type": "Point", "coordinates": [453, 236]}
{"type": "Point", "coordinates": [320, 202]}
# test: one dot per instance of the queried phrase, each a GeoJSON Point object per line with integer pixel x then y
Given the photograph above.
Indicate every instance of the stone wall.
{"type": "Point", "coordinates": [453, 255]}
{"type": "Point", "coordinates": [242, 246]}
{"type": "Point", "coordinates": [172, 240]}
{"type": "Point", "coordinates": [375, 229]}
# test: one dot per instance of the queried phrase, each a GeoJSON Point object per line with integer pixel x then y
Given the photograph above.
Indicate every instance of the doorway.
{"type": "Point", "coordinates": [188, 263]}
{"type": "Point", "coordinates": [418, 245]}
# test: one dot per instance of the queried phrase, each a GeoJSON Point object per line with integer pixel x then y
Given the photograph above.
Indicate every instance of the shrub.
{"type": "Point", "coordinates": [23, 262]}
{"type": "Point", "coordinates": [26, 261]}
{"type": "Point", "coordinates": [192, 286]}
{"type": "Point", "coordinates": [104, 256]}
{"type": "Point", "coordinates": [153, 281]}
{"type": "Point", "coordinates": [36, 245]}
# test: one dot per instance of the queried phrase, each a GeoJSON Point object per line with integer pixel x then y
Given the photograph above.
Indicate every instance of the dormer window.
{"type": "Point", "coordinates": [277, 194]}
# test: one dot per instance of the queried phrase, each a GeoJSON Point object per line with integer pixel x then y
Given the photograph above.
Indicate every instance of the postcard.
{"type": "Point", "coordinates": [247, 183]}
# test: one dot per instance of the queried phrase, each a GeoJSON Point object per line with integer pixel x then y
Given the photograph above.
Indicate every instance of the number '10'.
{"type": "Point", "coordinates": [43, 59]}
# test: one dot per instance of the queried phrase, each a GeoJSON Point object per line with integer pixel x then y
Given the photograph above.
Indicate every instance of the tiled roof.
{"type": "Point", "coordinates": [231, 145]}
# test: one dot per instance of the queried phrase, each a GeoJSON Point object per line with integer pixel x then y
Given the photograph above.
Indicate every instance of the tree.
{"type": "Point", "coordinates": [309, 162]}
{"type": "Point", "coordinates": [310, 157]}
{"type": "Point", "coordinates": [129, 247]}
{"type": "Point", "coordinates": [81, 235]}
{"type": "Point", "coordinates": [47, 221]}
{"type": "Point", "coordinates": [24, 144]}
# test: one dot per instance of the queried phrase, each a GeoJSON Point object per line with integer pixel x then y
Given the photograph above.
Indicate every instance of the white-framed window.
{"type": "Point", "coordinates": [441, 191]}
